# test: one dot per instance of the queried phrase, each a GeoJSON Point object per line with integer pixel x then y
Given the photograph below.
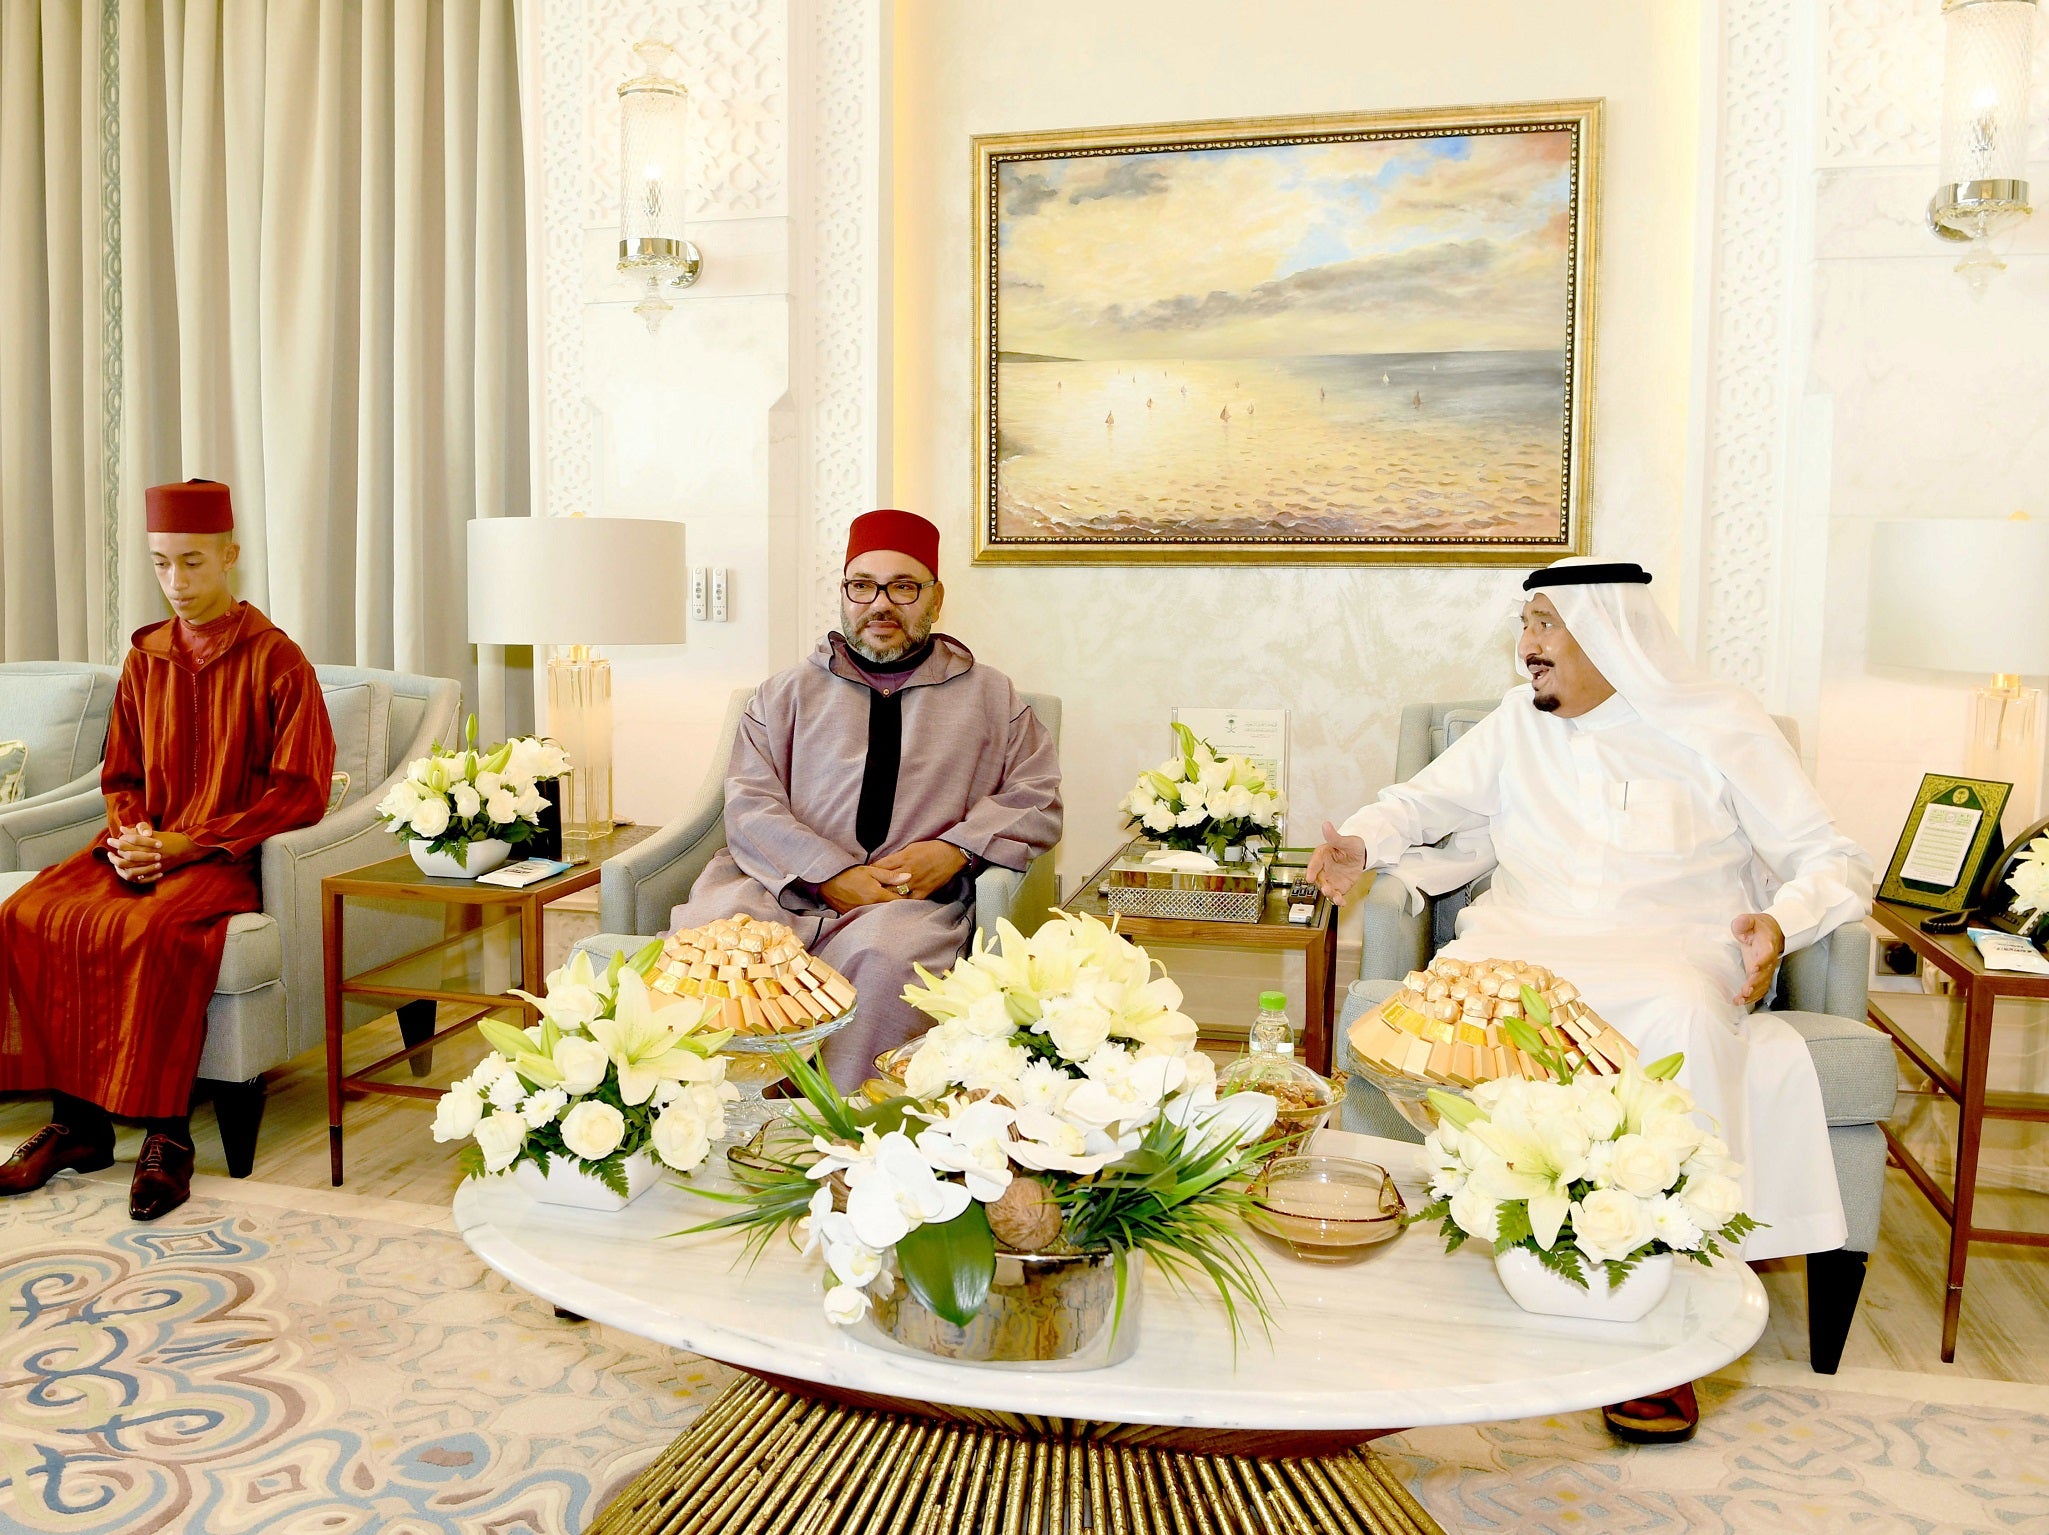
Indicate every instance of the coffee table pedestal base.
{"type": "Point", "coordinates": [763, 1460]}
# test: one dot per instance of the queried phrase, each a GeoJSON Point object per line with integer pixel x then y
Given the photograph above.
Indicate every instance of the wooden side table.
{"type": "Point", "coordinates": [1317, 939]}
{"type": "Point", "coordinates": [447, 970]}
{"type": "Point", "coordinates": [1977, 989]}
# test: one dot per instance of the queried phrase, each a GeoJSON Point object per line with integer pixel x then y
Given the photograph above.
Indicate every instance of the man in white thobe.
{"type": "Point", "coordinates": [1654, 841]}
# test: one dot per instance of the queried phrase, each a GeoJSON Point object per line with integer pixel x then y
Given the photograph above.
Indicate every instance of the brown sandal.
{"type": "Point", "coordinates": [1664, 1417]}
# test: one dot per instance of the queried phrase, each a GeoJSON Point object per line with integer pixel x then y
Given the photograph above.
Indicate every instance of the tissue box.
{"type": "Point", "coordinates": [1234, 893]}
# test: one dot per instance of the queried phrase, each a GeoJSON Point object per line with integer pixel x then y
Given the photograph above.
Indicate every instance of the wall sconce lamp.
{"type": "Point", "coordinates": [1987, 72]}
{"type": "Point", "coordinates": [654, 111]}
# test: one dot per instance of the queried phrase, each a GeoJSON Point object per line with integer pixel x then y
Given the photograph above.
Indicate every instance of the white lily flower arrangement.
{"type": "Point", "coordinates": [2029, 881]}
{"type": "Point", "coordinates": [449, 799]}
{"type": "Point", "coordinates": [1587, 1173]}
{"type": "Point", "coordinates": [612, 1069]}
{"type": "Point", "coordinates": [1198, 800]}
{"type": "Point", "coordinates": [1058, 1105]}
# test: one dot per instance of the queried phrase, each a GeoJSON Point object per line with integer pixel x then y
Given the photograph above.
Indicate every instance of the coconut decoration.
{"type": "Point", "coordinates": [754, 977]}
{"type": "Point", "coordinates": [1446, 1025]}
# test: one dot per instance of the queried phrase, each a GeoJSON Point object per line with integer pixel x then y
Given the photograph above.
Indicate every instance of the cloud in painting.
{"type": "Point", "coordinates": [1453, 244]}
{"type": "Point", "coordinates": [1025, 191]}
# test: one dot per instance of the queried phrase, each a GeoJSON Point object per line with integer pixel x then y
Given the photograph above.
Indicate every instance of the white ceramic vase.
{"type": "Point", "coordinates": [1535, 1288]}
{"type": "Point", "coordinates": [479, 858]}
{"type": "Point", "coordinates": [566, 1183]}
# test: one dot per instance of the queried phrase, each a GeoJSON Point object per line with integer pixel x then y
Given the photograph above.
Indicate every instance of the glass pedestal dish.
{"type": "Point", "coordinates": [753, 1065]}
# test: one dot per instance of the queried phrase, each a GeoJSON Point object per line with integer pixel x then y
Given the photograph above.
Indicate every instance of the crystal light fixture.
{"type": "Point", "coordinates": [654, 109]}
{"type": "Point", "coordinates": [1987, 70]}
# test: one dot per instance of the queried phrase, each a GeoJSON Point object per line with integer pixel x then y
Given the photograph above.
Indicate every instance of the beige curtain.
{"type": "Point", "coordinates": [324, 301]}
{"type": "Point", "coordinates": [52, 555]}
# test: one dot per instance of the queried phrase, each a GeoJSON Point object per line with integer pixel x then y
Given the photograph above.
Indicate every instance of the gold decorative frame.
{"type": "Point", "coordinates": [1983, 795]}
{"type": "Point", "coordinates": [1581, 118]}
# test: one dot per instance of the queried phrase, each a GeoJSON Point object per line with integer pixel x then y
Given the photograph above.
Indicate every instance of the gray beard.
{"type": "Point", "coordinates": [913, 638]}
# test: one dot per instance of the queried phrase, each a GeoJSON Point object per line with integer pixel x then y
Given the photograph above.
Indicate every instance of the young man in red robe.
{"type": "Point", "coordinates": [219, 739]}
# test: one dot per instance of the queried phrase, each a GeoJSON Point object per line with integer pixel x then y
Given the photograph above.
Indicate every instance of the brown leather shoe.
{"type": "Point", "coordinates": [48, 1152]}
{"type": "Point", "coordinates": [163, 1178]}
{"type": "Point", "coordinates": [1666, 1417]}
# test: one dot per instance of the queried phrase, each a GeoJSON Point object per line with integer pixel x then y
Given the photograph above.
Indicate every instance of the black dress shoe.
{"type": "Point", "coordinates": [163, 1178]}
{"type": "Point", "coordinates": [48, 1152]}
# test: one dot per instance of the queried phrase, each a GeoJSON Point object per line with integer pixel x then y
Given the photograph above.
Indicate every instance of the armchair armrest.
{"type": "Point", "coordinates": [51, 827]}
{"type": "Point", "coordinates": [293, 864]}
{"type": "Point", "coordinates": [638, 888]}
{"type": "Point", "coordinates": [1019, 898]}
{"type": "Point", "coordinates": [1392, 941]}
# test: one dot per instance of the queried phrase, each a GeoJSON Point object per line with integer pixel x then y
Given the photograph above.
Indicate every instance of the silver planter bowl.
{"type": "Point", "coordinates": [1045, 1311]}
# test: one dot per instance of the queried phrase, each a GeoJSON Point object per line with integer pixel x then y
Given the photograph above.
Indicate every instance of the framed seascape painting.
{"type": "Point", "coordinates": [1353, 339]}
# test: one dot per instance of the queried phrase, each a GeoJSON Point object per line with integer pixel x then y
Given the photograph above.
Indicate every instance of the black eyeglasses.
{"type": "Point", "coordinates": [902, 593]}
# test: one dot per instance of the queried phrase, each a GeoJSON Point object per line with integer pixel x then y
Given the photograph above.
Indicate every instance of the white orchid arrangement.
{"type": "Point", "coordinates": [2030, 878]}
{"type": "Point", "coordinates": [612, 1068]}
{"type": "Point", "coordinates": [1585, 1172]}
{"type": "Point", "coordinates": [1059, 1104]}
{"type": "Point", "coordinates": [1197, 800]}
{"type": "Point", "coordinates": [449, 799]}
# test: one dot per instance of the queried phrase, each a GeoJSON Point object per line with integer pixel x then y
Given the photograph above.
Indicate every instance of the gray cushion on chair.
{"type": "Point", "coordinates": [61, 714]}
{"type": "Point", "coordinates": [360, 715]}
{"type": "Point", "coordinates": [1855, 1063]}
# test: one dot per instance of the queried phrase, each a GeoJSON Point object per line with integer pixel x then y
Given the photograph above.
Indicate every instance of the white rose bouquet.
{"type": "Point", "coordinates": [449, 799]}
{"type": "Point", "coordinates": [1585, 1172]}
{"type": "Point", "coordinates": [1058, 1095]}
{"type": "Point", "coordinates": [1197, 800]}
{"type": "Point", "coordinates": [2029, 881]}
{"type": "Point", "coordinates": [613, 1068]}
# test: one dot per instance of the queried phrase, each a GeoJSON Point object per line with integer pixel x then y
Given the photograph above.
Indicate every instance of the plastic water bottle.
{"type": "Point", "coordinates": [1272, 1034]}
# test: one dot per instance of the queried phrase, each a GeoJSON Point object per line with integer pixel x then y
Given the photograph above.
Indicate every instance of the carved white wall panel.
{"type": "Point", "coordinates": [1883, 67]}
{"type": "Point", "coordinates": [566, 431]}
{"type": "Point", "coordinates": [1761, 162]}
{"type": "Point", "coordinates": [730, 54]}
{"type": "Point", "coordinates": [844, 284]}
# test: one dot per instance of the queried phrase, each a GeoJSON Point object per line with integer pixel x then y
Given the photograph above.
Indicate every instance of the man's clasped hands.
{"type": "Point", "coordinates": [143, 855]}
{"type": "Point", "coordinates": [911, 873]}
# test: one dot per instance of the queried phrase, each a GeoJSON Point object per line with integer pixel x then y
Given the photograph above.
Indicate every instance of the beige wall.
{"type": "Point", "coordinates": [1341, 648]}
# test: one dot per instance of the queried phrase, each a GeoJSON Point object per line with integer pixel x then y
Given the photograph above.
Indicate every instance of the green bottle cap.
{"type": "Point", "coordinates": [1273, 1001]}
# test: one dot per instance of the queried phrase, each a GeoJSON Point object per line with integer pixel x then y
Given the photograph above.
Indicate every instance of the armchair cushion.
{"type": "Point", "coordinates": [1855, 1063]}
{"type": "Point", "coordinates": [59, 711]}
{"type": "Point", "coordinates": [360, 715]}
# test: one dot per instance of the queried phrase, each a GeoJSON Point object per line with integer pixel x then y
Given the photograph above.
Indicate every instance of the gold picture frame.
{"type": "Point", "coordinates": [1455, 247]}
{"type": "Point", "coordinates": [1959, 796]}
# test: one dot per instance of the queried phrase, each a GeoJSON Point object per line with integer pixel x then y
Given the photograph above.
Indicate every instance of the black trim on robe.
{"type": "Point", "coordinates": [877, 807]}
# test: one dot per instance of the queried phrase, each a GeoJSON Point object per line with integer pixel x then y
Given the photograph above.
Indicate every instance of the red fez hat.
{"type": "Point", "coordinates": [197, 506]}
{"type": "Point", "coordinates": [901, 532]}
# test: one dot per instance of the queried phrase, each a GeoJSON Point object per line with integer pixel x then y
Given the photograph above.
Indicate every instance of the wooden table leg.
{"type": "Point", "coordinates": [1319, 978]}
{"type": "Point", "coordinates": [533, 963]}
{"type": "Point", "coordinates": [1970, 1129]}
{"type": "Point", "coordinates": [331, 945]}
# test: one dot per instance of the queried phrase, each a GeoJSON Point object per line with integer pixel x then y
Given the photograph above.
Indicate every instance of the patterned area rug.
{"type": "Point", "coordinates": [248, 1364]}
{"type": "Point", "coordinates": [1780, 1453]}
{"type": "Point", "coordinates": [238, 1367]}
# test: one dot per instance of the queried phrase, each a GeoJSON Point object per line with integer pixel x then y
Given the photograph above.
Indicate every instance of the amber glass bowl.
{"type": "Point", "coordinates": [1326, 1209]}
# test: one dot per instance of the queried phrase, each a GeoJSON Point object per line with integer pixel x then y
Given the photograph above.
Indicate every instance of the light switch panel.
{"type": "Point", "coordinates": [697, 592]}
{"type": "Point", "coordinates": [718, 594]}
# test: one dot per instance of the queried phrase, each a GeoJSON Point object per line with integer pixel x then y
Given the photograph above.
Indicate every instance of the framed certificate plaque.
{"type": "Point", "coordinates": [1951, 835]}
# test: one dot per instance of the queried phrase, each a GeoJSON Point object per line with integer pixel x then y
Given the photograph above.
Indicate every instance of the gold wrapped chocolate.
{"type": "Point", "coordinates": [1412, 1033]}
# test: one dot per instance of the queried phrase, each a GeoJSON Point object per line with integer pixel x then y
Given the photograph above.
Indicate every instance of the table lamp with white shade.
{"type": "Point", "coordinates": [1971, 594]}
{"type": "Point", "coordinates": [577, 583]}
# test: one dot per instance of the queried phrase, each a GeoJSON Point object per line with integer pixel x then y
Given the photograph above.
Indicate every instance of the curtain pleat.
{"type": "Point", "coordinates": [49, 315]}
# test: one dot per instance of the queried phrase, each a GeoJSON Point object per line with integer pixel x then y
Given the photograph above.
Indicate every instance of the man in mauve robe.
{"type": "Point", "coordinates": [219, 739]}
{"type": "Point", "coordinates": [871, 781]}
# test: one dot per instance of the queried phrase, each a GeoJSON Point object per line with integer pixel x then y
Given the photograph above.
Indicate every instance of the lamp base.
{"type": "Point", "coordinates": [2005, 745]}
{"type": "Point", "coordinates": [580, 719]}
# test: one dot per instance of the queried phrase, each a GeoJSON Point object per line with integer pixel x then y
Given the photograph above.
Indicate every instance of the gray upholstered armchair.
{"type": "Point", "coordinates": [639, 887]}
{"type": "Point", "coordinates": [1820, 992]}
{"type": "Point", "coordinates": [269, 1003]}
{"type": "Point", "coordinates": [59, 711]}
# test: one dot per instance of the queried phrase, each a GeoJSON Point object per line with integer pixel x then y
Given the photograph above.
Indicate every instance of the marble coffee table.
{"type": "Point", "coordinates": [1409, 1337]}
